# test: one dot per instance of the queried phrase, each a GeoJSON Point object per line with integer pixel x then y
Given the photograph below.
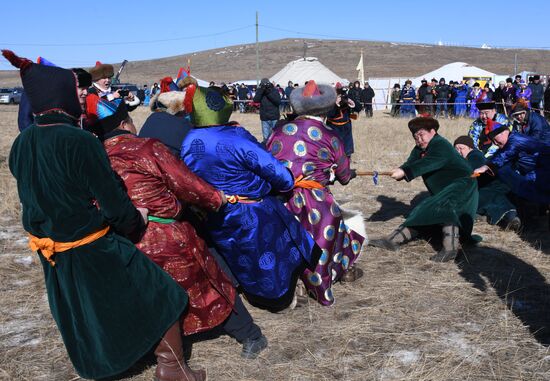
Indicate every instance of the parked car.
{"type": "Point", "coordinates": [10, 95]}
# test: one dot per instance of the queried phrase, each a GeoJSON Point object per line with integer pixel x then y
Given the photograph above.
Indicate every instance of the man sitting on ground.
{"type": "Point", "coordinates": [493, 194]}
{"type": "Point", "coordinates": [453, 201]}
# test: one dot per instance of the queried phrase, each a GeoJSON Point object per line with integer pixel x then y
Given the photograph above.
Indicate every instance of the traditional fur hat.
{"type": "Point", "coordinates": [48, 88]}
{"type": "Point", "coordinates": [184, 82]}
{"type": "Point", "coordinates": [464, 140]}
{"type": "Point", "coordinates": [170, 102]}
{"type": "Point", "coordinates": [520, 106]}
{"type": "Point", "coordinates": [101, 71]}
{"type": "Point", "coordinates": [486, 105]}
{"type": "Point", "coordinates": [423, 123]}
{"type": "Point", "coordinates": [313, 99]}
{"type": "Point", "coordinates": [493, 129]}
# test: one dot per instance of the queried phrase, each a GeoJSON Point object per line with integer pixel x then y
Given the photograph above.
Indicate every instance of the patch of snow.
{"type": "Point", "coordinates": [22, 282]}
{"type": "Point", "coordinates": [391, 374]}
{"type": "Point", "coordinates": [26, 261]}
{"type": "Point", "coordinates": [18, 332]}
{"type": "Point", "coordinates": [462, 347]}
{"type": "Point", "coordinates": [221, 52]}
{"type": "Point", "coordinates": [405, 357]}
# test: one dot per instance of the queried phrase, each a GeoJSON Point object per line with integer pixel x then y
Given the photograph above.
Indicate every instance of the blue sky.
{"type": "Point", "coordinates": [77, 33]}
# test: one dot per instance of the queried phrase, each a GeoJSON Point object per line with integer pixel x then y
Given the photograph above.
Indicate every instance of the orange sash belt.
{"type": "Point", "coordinates": [49, 247]}
{"type": "Point", "coordinates": [241, 199]}
{"type": "Point", "coordinates": [300, 182]}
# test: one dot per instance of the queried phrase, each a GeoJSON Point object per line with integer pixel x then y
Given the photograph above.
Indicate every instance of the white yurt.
{"type": "Point", "coordinates": [457, 71]}
{"type": "Point", "coordinates": [305, 69]}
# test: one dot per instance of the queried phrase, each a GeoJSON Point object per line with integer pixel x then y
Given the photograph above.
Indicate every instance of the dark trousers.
{"type": "Point", "coordinates": [368, 109]}
{"type": "Point", "coordinates": [441, 107]}
{"type": "Point", "coordinates": [536, 106]}
{"type": "Point", "coordinates": [240, 324]}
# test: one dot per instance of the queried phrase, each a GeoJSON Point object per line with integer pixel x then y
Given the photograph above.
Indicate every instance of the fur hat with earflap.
{"type": "Point", "coordinates": [101, 70]}
{"type": "Point", "coordinates": [313, 99]}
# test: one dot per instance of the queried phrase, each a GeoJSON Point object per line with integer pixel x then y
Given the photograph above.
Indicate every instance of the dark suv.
{"type": "Point", "coordinates": [10, 96]}
{"type": "Point", "coordinates": [126, 86]}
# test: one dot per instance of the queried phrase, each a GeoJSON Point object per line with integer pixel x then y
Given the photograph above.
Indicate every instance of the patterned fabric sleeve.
{"type": "Point", "coordinates": [263, 164]}
{"type": "Point", "coordinates": [474, 132]}
{"type": "Point", "coordinates": [187, 186]}
{"type": "Point", "coordinates": [101, 180]}
{"type": "Point", "coordinates": [342, 170]}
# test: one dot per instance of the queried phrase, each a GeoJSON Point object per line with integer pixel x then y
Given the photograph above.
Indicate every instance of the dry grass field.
{"type": "Point", "coordinates": [485, 317]}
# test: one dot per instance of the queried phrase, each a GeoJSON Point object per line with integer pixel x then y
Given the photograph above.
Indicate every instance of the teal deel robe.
{"type": "Point", "coordinates": [453, 193]}
{"type": "Point", "coordinates": [109, 301]}
{"type": "Point", "coordinates": [493, 199]}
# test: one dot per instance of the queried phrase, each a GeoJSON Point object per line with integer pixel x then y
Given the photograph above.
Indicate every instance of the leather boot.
{"type": "Point", "coordinates": [398, 237]}
{"type": "Point", "coordinates": [171, 364]}
{"type": "Point", "coordinates": [450, 245]}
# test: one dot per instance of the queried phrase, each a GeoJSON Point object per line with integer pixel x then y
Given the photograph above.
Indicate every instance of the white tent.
{"type": "Point", "coordinates": [456, 71]}
{"type": "Point", "coordinates": [303, 70]}
{"type": "Point", "coordinates": [382, 91]}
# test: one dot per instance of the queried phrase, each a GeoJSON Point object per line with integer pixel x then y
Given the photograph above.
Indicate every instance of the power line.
{"type": "Point", "coordinates": [130, 42]}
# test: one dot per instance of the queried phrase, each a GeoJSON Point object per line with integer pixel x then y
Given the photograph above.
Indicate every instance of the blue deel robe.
{"type": "Point", "coordinates": [529, 182]}
{"type": "Point", "coordinates": [408, 96]}
{"type": "Point", "coordinates": [537, 127]}
{"type": "Point", "coordinates": [460, 100]}
{"type": "Point", "coordinates": [264, 245]}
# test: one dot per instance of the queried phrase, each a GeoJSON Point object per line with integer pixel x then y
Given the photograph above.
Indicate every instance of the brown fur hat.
{"type": "Point", "coordinates": [101, 71]}
{"type": "Point", "coordinates": [170, 102]}
{"type": "Point", "coordinates": [423, 123]}
{"type": "Point", "coordinates": [184, 82]}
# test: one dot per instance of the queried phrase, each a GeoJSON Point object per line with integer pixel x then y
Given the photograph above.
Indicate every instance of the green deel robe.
{"type": "Point", "coordinates": [110, 302]}
{"type": "Point", "coordinates": [453, 192]}
{"type": "Point", "coordinates": [493, 201]}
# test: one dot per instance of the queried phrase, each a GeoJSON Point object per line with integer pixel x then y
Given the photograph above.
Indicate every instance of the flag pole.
{"type": "Point", "coordinates": [257, 54]}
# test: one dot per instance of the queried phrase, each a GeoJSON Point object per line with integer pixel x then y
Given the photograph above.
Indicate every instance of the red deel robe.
{"type": "Point", "coordinates": [159, 181]}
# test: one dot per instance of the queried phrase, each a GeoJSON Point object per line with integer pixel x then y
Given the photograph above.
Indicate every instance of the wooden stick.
{"type": "Point", "coordinates": [371, 173]}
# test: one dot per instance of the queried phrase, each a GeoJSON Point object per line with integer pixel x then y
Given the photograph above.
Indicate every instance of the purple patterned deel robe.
{"type": "Point", "coordinates": [309, 148]}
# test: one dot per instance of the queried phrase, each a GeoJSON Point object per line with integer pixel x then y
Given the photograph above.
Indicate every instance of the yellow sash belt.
{"type": "Point", "coordinates": [49, 247]}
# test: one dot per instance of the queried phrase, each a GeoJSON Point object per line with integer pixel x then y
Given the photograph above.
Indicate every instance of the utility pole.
{"type": "Point", "coordinates": [305, 49]}
{"type": "Point", "coordinates": [516, 64]}
{"type": "Point", "coordinates": [257, 54]}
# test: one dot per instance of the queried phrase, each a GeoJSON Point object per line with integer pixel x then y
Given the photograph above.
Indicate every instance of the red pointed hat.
{"type": "Point", "coordinates": [311, 89]}
{"type": "Point", "coordinates": [48, 88]}
{"type": "Point", "coordinates": [313, 99]}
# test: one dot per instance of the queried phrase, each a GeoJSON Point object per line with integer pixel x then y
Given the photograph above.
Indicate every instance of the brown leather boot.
{"type": "Point", "coordinates": [171, 364]}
